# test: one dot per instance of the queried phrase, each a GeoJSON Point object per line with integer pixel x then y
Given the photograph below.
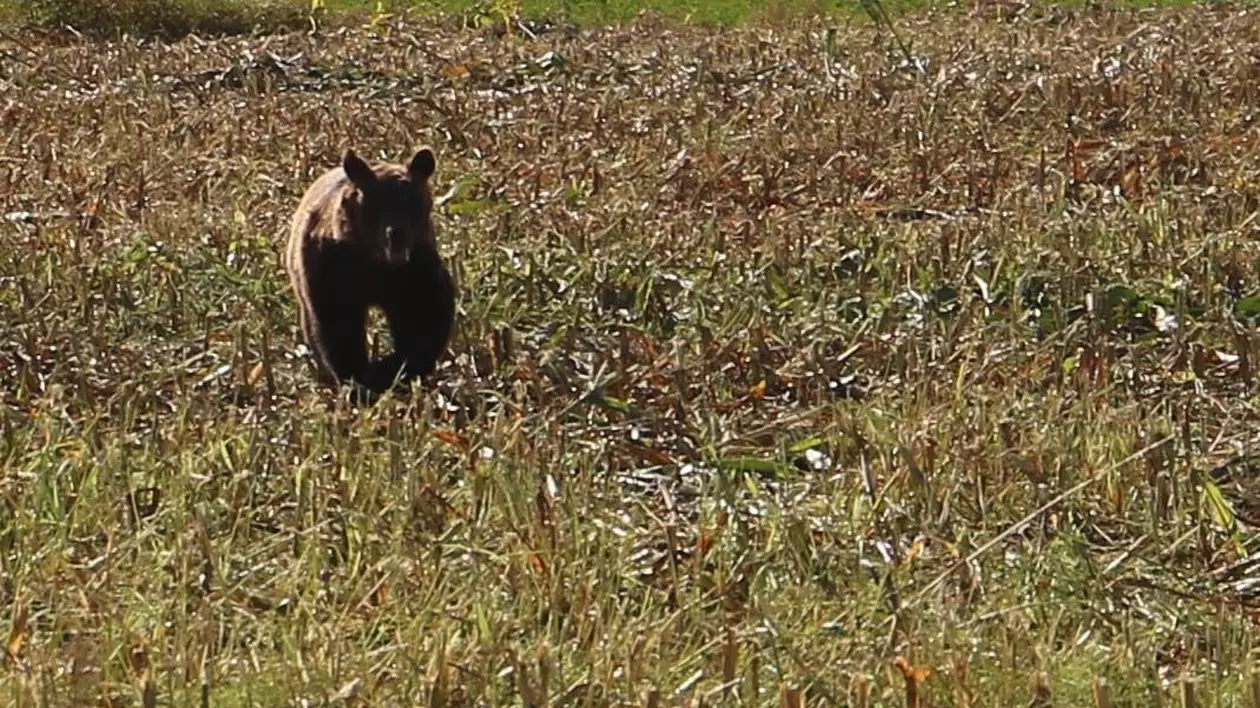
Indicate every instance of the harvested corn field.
{"type": "Point", "coordinates": [787, 360]}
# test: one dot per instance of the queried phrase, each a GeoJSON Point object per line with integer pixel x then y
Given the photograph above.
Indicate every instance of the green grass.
{"type": "Point", "coordinates": [777, 361]}
{"type": "Point", "coordinates": [175, 18]}
{"type": "Point", "coordinates": [178, 17]}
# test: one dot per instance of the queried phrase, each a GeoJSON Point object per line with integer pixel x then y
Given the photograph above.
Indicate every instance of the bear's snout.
{"type": "Point", "coordinates": [397, 250]}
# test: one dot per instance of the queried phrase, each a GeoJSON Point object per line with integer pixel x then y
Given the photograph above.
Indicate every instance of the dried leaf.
{"type": "Point", "coordinates": [456, 71]}
{"type": "Point", "coordinates": [647, 454]}
{"type": "Point", "coordinates": [452, 438]}
{"type": "Point", "coordinates": [18, 631]}
{"type": "Point", "coordinates": [348, 692]}
{"type": "Point", "coordinates": [538, 564]}
{"type": "Point", "coordinates": [704, 543]}
{"type": "Point", "coordinates": [913, 677]}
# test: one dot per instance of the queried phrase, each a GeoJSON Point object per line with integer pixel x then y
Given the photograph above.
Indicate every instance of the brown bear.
{"type": "Point", "coordinates": [362, 236]}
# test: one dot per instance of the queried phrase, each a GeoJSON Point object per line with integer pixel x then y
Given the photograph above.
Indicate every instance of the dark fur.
{"type": "Point", "coordinates": [350, 222]}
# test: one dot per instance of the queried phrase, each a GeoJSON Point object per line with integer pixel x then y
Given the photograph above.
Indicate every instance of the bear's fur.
{"type": "Point", "coordinates": [362, 236]}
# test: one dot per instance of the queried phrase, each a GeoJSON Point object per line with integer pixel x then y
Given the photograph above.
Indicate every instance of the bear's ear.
{"type": "Point", "coordinates": [422, 165]}
{"type": "Point", "coordinates": [356, 169]}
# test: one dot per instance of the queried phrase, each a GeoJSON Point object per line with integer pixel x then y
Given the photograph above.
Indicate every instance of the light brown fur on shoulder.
{"type": "Point", "coordinates": [326, 210]}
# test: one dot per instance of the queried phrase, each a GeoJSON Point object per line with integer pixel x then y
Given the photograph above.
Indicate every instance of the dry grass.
{"type": "Point", "coordinates": [758, 338]}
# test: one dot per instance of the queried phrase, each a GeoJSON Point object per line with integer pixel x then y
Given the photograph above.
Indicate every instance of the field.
{"type": "Point", "coordinates": [797, 363]}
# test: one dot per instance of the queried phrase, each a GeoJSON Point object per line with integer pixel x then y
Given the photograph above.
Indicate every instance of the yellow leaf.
{"type": "Point", "coordinates": [915, 549]}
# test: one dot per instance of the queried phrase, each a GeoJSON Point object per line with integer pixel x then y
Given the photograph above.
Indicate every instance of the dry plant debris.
{"type": "Point", "coordinates": [780, 359]}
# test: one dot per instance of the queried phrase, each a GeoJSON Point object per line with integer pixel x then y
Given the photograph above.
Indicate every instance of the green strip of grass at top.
{"type": "Point", "coordinates": [178, 17]}
{"type": "Point", "coordinates": [596, 12]}
{"type": "Point", "coordinates": [704, 12]}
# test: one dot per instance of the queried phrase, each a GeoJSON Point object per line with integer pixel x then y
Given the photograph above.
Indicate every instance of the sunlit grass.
{"type": "Point", "coordinates": [779, 359]}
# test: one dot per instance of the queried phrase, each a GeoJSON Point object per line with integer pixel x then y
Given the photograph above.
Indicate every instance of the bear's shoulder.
{"type": "Point", "coordinates": [318, 215]}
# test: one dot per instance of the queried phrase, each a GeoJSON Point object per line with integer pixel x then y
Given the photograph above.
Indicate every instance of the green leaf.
{"type": "Point", "coordinates": [616, 404]}
{"type": "Point", "coordinates": [780, 290]}
{"type": "Point", "coordinates": [1069, 364]}
{"type": "Point", "coordinates": [1218, 508]}
{"type": "Point", "coordinates": [1247, 308]}
{"type": "Point", "coordinates": [484, 623]}
{"type": "Point", "coordinates": [805, 444]}
{"type": "Point", "coordinates": [753, 464]}
{"type": "Point", "coordinates": [945, 294]}
{"type": "Point", "coordinates": [1121, 294]}
{"type": "Point", "coordinates": [598, 399]}
{"type": "Point", "coordinates": [469, 206]}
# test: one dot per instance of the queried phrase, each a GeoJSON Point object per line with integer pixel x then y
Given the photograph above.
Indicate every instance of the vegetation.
{"type": "Point", "coordinates": [176, 18]}
{"type": "Point", "coordinates": [795, 366]}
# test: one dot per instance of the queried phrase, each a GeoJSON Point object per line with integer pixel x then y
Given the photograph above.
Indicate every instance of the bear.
{"type": "Point", "coordinates": [362, 236]}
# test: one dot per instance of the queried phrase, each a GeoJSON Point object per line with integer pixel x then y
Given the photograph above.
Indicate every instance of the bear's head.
{"type": "Point", "coordinates": [394, 205]}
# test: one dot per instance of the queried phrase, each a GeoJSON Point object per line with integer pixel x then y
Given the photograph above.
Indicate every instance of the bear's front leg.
{"type": "Point", "coordinates": [413, 354]}
{"type": "Point", "coordinates": [333, 314]}
{"type": "Point", "coordinates": [421, 314]}
{"type": "Point", "coordinates": [335, 332]}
